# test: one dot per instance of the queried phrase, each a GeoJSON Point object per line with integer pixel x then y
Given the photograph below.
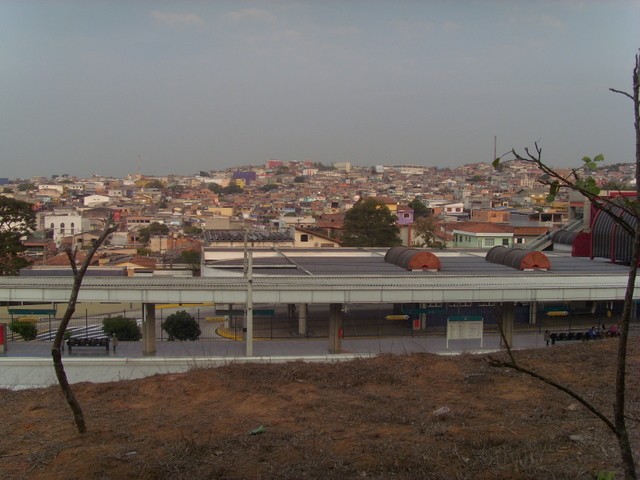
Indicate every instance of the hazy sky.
{"type": "Point", "coordinates": [89, 86]}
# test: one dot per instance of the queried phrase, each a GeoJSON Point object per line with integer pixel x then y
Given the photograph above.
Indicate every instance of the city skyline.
{"type": "Point", "coordinates": [179, 87]}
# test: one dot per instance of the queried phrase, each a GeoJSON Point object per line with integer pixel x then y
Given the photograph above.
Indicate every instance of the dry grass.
{"type": "Point", "coordinates": [369, 418]}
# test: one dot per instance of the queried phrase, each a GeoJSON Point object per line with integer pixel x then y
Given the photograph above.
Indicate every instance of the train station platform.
{"type": "Point", "coordinates": [29, 364]}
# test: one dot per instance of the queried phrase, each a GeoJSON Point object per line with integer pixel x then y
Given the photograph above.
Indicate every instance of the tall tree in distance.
{"type": "Point", "coordinates": [424, 230]}
{"type": "Point", "coordinates": [370, 223]}
{"type": "Point", "coordinates": [17, 219]}
{"type": "Point", "coordinates": [154, 228]}
{"type": "Point", "coordinates": [420, 210]}
{"type": "Point", "coordinates": [626, 214]}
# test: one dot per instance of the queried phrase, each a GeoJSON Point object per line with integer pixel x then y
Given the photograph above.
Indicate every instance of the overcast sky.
{"type": "Point", "coordinates": [92, 86]}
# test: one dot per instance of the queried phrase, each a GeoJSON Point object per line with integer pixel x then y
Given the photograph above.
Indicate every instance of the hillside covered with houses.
{"type": "Point", "coordinates": [165, 222]}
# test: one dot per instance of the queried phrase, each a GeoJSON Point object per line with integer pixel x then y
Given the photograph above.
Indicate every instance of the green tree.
{"type": "Point", "coordinates": [154, 228]}
{"type": "Point", "coordinates": [324, 168]}
{"type": "Point", "coordinates": [27, 330]}
{"type": "Point", "coordinates": [370, 223]}
{"type": "Point", "coordinates": [193, 230]}
{"type": "Point", "coordinates": [425, 229]}
{"type": "Point", "coordinates": [191, 258]}
{"type": "Point", "coordinates": [176, 189]}
{"type": "Point", "coordinates": [23, 187]}
{"type": "Point", "coordinates": [420, 210]}
{"type": "Point", "coordinates": [232, 188]}
{"type": "Point", "coordinates": [268, 187]}
{"type": "Point", "coordinates": [17, 219]}
{"type": "Point", "coordinates": [155, 184]}
{"type": "Point", "coordinates": [299, 179]}
{"type": "Point", "coordinates": [215, 188]}
{"type": "Point", "coordinates": [181, 326]}
{"type": "Point", "coordinates": [616, 186]}
{"type": "Point", "coordinates": [123, 328]}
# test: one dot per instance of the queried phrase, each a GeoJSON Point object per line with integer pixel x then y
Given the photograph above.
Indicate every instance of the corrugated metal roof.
{"type": "Point", "coordinates": [465, 276]}
{"type": "Point", "coordinates": [213, 236]}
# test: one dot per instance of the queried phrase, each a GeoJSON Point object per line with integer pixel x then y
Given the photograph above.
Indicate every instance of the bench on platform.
{"type": "Point", "coordinates": [581, 336]}
{"type": "Point", "coordinates": [88, 342]}
{"type": "Point", "coordinates": [567, 336]}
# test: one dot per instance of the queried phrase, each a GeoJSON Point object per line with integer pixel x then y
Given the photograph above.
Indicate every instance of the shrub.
{"type": "Point", "coordinates": [181, 326]}
{"type": "Point", "coordinates": [123, 328]}
{"type": "Point", "coordinates": [27, 330]}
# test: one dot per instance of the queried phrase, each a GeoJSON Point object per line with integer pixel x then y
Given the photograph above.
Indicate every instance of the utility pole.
{"type": "Point", "coordinates": [495, 147]}
{"type": "Point", "coordinates": [249, 313]}
{"type": "Point", "coordinates": [248, 276]}
{"type": "Point", "coordinates": [245, 267]}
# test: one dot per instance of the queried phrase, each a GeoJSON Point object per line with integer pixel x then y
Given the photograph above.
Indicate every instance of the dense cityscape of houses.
{"type": "Point", "coordinates": [165, 221]}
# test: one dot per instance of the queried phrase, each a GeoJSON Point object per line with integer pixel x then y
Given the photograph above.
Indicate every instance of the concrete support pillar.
{"type": "Point", "coordinates": [148, 328]}
{"type": "Point", "coordinates": [291, 311]}
{"type": "Point", "coordinates": [335, 328]}
{"type": "Point", "coordinates": [302, 318]}
{"type": "Point", "coordinates": [508, 319]}
{"type": "Point", "coordinates": [533, 313]}
{"type": "Point", "coordinates": [423, 317]}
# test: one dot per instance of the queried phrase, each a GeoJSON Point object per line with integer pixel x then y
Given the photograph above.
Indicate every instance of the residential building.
{"type": "Point", "coordinates": [477, 235]}
{"type": "Point", "coordinates": [65, 225]}
{"type": "Point", "coordinates": [312, 238]}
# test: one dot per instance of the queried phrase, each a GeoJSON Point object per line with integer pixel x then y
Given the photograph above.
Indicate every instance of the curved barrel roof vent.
{"type": "Point", "coordinates": [518, 258]}
{"type": "Point", "coordinates": [412, 258]}
{"type": "Point", "coordinates": [564, 237]}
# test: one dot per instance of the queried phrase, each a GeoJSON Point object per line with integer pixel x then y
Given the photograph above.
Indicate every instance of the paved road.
{"type": "Point", "coordinates": [28, 364]}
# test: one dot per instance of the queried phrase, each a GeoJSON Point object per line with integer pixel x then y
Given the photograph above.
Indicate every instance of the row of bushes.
{"type": "Point", "coordinates": [27, 330]}
{"type": "Point", "coordinates": [179, 326]}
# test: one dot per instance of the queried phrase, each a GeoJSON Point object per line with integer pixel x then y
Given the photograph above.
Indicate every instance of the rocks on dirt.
{"type": "Point", "coordinates": [442, 412]}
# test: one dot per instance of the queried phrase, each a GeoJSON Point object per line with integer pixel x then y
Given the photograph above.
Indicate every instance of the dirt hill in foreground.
{"type": "Point", "coordinates": [401, 417]}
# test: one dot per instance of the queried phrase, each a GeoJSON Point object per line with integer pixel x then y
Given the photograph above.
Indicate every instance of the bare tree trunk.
{"type": "Point", "coordinates": [622, 433]}
{"type": "Point", "coordinates": [619, 407]}
{"type": "Point", "coordinates": [56, 350]}
{"type": "Point", "coordinates": [56, 353]}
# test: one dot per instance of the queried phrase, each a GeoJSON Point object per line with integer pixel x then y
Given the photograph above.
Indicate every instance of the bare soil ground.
{"type": "Point", "coordinates": [373, 418]}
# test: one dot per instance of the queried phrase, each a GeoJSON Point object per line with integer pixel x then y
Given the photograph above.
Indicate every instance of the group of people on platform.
{"type": "Point", "coordinates": [592, 334]}
{"type": "Point", "coordinates": [602, 332]}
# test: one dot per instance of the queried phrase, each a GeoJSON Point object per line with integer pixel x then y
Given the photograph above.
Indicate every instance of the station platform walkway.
{"type": "Point", "coordinates": [29, 364]}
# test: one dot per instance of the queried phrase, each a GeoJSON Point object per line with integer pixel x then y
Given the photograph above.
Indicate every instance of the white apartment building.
{"type": "Point", "coordinates": [409, 169]}
{"type": "Point", "coordinates": [75, 187]}
{"type": "Point", "coordinates": [95, 200]}
{"type": "Point", "coordinates": [51, 187]}
{"type": "Point", "coordinates": [344, 166]}
{"type": "Point", "coordinates": [65, 225]}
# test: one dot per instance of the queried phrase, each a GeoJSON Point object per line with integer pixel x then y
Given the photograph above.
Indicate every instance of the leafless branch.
{"type": "Point", "coordinates": [513, 364]}
{"type": "Point", "coordinates": [495, 362]}
{"type": "Point", "coordinates": [621, 93]}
